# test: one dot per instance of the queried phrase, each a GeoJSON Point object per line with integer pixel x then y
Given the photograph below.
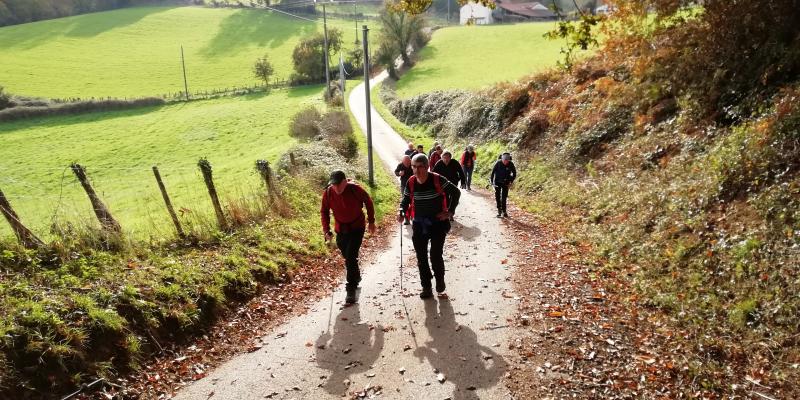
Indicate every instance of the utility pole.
{"type": "Point", "coordinates": [355, 18]}
{"type": "Point", "coordinates": [369, 107]}
{"type": "Point", "coordinates": [325, 34]}
{"type": "Point", "coordinates": [448, 12]}
{"type": "Point", "coordinates": [185, 84]}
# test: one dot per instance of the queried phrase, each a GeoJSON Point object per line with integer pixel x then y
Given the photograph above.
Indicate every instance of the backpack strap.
{"type": "Point", "coordinates": [438, 185]}
{"type": "Point", "coordinates": [411, 180]}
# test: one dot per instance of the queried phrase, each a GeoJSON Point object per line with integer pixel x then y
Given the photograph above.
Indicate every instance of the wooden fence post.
{"type": "Point", "coordinates": [205, 168]}
{"type": "Point", "coordinates": [168, 203]}
{"type": "Point", "coordinates": [263, 168]}
{"type": "Point", "coordinates": [100, 210]}
{"type": "Point", "coordinates": [24, 235]}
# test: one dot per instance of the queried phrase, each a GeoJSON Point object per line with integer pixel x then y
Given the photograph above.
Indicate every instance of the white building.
{"type": "Point", "coordinates": [476, 14]}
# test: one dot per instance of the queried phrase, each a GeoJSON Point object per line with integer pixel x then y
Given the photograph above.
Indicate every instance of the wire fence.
{"type": "Point", "coordinates": [52, 203]}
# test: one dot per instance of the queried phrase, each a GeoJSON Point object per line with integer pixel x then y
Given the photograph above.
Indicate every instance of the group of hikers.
{"type": "Point", "coordinates": [429, 184]}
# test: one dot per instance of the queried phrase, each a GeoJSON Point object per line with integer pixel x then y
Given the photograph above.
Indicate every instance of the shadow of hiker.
{"type": "Point", "coordinates": [350, 349]}
{"type": "Point", "coordinates": [469, 233]}
{"type": "Point", "coordinates": [454, 350]}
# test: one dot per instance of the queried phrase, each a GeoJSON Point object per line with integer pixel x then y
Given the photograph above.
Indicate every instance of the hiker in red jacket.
{"type": "Point", "coordinates": [346, 199]}
{"type": "Point", "coordinates": [436, 155]}
{"type": "Point", "coordinates": [468, 158]}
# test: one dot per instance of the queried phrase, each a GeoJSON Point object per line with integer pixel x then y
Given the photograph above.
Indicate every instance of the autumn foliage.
{"type": "Point", "coordinates": [673, 153]}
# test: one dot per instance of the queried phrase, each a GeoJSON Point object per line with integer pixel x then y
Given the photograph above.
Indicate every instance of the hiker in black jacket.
{"type": "Point", "coordinates": [503, 175]}
{"type": "Point", "coordinates": [450, 169]}
{"type": "Point", "coordinates": [404, 171]}
{"type": "Point", "coordinates": [425, 203]}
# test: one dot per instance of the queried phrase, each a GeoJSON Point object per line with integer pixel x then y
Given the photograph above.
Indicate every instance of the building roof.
{"type": "Point", "coordinates": [531, 9]}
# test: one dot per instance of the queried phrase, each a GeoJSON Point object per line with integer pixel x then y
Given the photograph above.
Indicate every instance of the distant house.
{"type": "Point", "coordinates": [509, 11]}
{"type": "Point", "coordinates": [473, 13]}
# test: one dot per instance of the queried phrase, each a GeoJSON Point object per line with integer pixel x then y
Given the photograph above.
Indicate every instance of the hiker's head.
{"type": "Point", "coordinates": [447, 156]}
{"type": "Point", "coordinates": [420, 166]}
{"type": "Point", "coordinates": [410, 146]}
{"type": "Point", "coordinates": [338, 181]}
{"type": "Point", "coordinates": [470, 148]}
{"type": "Point", "coordinates": [438, 149]}
{"type": "Point", "coordinates": [420, 149]}
{"type": "Point", "coordinates": [506, 158]}
{"type": "Point", "coordinates": [406, 161]}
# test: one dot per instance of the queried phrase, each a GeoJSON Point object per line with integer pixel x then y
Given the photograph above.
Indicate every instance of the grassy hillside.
{"type": "Point", "coordinates": [119, 148]}
{"type": "Point", "coordinates": [136, 51]}
{"type": "Point", "coordinates": [471, 57]}
{"type": "Point", "coordinates": [70, 314]}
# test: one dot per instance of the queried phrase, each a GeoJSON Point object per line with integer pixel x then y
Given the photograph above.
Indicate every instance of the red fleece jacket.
{"type": "Point", "coordinates": [347, 208]}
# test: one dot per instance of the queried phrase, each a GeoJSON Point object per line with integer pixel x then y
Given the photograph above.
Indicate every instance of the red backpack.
{"type": "Point", "coordinates": [436, 183]}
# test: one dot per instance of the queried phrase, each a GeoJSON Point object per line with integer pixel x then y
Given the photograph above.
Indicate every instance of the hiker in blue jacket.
{"type": "Point", "coordinates": [425, 203]}
{"type": "Point", "coordinates": [503, 175]}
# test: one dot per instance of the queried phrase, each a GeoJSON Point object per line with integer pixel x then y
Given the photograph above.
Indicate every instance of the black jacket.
{"type": "Point", "coordinates": [404, 178]}
{"type": "Point", "coordinates": [503, 175]}
{"type": "Point", "coordinates": [452, 171]}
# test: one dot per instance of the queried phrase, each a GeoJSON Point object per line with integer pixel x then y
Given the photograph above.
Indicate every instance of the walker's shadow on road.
{"type": "Point", "coordinates": [454, 350]}
{"type": "Point", "coordinates": [468, 233]}
{"type": "Point", "coordinates": [351, 343]}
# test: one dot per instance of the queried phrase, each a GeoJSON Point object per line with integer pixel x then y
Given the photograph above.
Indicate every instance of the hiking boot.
{"type": "Point", "coordinates": [426, 293]}
{"type": "Point", "coordinates": [407, 222]}
{"type": "Point", "coordinates": [351, 296]}
{"type": "Point", "coordinates": [499, 214]}
{"type": "Point", "coordinates": [505, 214]}
{"type": "Point", "coordinates": [452, 218]}
{"type": "Point", "coordinates": [440, 286]}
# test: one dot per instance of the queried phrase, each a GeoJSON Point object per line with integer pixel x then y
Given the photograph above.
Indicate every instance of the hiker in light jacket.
{"type": "Point", "coordinates": [450, 169]}
{"type": "Point", "coordinates": [346, 199]}
{"type": "Point", "coordinates": [503, 175]}
{"type": "Point", "coordinates": [425, 203]}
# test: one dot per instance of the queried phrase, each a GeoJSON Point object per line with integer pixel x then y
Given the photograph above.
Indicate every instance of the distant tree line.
{"type": "Point", "coordinates": [14, 12]}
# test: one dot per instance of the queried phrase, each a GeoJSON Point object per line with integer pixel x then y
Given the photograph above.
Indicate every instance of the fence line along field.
{"type": "Point", "coordinates": [119, 149]}
{"type": "Point", "coordinates": [135, 52]}
{"type": "Point", "coordinates": [472, 57]}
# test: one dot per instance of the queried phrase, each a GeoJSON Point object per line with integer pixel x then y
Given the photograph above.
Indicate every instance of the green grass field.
{"type": "Point", "coordinates": [471, 57]}
{"type": "Point", "coordinates": [119, 149]}
{"type": "Point", "coordinates": [136, 51]}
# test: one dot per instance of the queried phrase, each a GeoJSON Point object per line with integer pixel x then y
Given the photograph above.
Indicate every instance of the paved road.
{"type": "Point", "coordinates": [392, 344]}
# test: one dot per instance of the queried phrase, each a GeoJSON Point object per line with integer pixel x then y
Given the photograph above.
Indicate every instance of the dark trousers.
{"type": "Point", "coordinates": [450, 206]}
{"type": "Point", "coordinates": [433, 233]}
{"type": "Point", "coordinates": [501, 196]}
{"type": "Point", "coordinates": [349, 244]}
{"type": "Point", "coordinates": [468, 174]}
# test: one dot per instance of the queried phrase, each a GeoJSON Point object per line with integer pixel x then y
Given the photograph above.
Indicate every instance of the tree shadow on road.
{"type": "Point", "coordinates": [454, 350]}
{"type": "Point", "coordinates": [350, 349]}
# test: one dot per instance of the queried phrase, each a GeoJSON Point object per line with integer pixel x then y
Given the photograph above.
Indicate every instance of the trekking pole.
{"type": "Point", "coordinates": [401, 258]}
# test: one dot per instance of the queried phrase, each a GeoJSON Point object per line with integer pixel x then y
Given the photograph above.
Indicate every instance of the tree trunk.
{"type": "Point", "coordinates": [406, 59]}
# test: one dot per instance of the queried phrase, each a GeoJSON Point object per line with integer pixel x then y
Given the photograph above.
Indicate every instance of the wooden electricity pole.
{"type": "Point", "coordinates": [185, 83]}
{"type": "Point", "coordinates": [369, 107]}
